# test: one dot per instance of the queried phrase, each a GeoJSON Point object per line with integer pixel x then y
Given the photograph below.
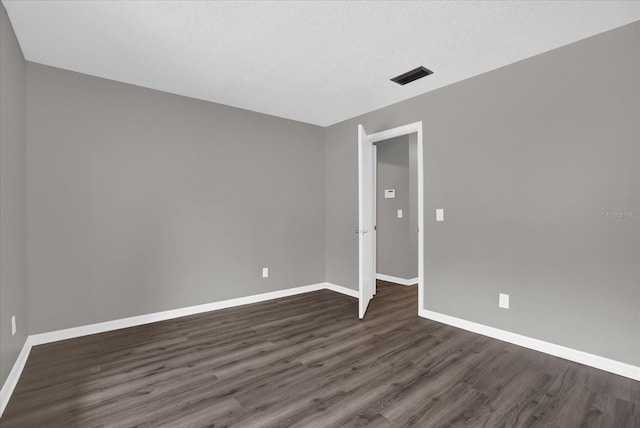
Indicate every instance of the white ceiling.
{"type": "Point", "coordinates": [316, 62]}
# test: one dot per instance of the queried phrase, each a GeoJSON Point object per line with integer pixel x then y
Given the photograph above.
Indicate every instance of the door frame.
{"type": "Point", "coordinates": [375, 217]}
{"type": "Point", "coordinates": [411, 128]}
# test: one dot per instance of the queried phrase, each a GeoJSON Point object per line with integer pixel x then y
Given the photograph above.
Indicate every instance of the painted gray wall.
{"type": "Point", "coordinates": [141, 201]}
{"type": "Point", "coordinates": [396, 256]}
{"type": "Point", "coordinates": [13, 262]}
{"type": "Point", "coordinates": [524, 160]}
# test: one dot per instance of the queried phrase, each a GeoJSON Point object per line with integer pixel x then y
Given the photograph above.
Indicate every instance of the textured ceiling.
{"type": "Point", "coordinates": [316, 62]}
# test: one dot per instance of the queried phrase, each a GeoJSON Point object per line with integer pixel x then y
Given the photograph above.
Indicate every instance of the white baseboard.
{"type": "Point", "coordinates": [397, 280]}
{"type": "Point", "coordinates": [102, 327]}
{"type": "Point", "coordinates": [341, 289]}
{"type": "Point", "coordinates": [12, 380]}
{"type": "Point", "coordinates": [70, 333]}
{"type": "Point", "coordinates": [598, 362]}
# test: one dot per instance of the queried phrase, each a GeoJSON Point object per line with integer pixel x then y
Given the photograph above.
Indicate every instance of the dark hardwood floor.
{"type": "Point", "coordinates": [307, 361]}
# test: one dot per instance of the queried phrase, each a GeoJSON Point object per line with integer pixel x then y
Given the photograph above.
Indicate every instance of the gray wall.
{"type": "Point", "coordinates": [13, 263]}
{"type": "Point", "coordinates": [524, 160]}
{"type": "Point", "coordinates": [397, 253]}
{"type": "Point", "coordinates": [141, 201]}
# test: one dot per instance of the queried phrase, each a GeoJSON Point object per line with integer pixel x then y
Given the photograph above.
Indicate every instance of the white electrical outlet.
{"type": "Point", "coordinates": [399, 213]}
{"type": "Point", "coordinates": [13, 325]}
{"type": "Point", "coordinates": [265, 272]}
{"type": "Point", "coordinates": [503, 301]}
{"type": "Point", "coordinates": [440, 214]}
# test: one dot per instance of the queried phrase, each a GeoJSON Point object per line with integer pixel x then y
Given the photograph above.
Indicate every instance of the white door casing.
{"type": "Point", "coordinates": [366, 172]}
{"type": "Point", "coordinates": [375, 217]}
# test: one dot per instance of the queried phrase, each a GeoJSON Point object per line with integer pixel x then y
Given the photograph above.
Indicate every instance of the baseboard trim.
{"type": "Point", "coordinates": [85, 330]}
{"type": "Point", "coordinates": [12, 380]}
{"type": "Point", "coordinates": [397, 280]}
{"type": "Point", "coordinates": [102, 327]}
{"type": "Point", "coordinates": [596, 361]}
{"type": "Point", "coordinates": [342, 289]}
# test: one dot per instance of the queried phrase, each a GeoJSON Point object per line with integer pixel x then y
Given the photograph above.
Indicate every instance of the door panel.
{"type": "Point", "coordinates": [365, 220]}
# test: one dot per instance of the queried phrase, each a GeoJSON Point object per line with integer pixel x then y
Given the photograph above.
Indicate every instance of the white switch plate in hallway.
{"type": "Point", "coordinates": [440, 214]}
{"type": "Point", "coordinates": [265, 272]}
{"type": "Point", "coordinates": [13, 325]}
{"type": "Point", "coordinates": [399, 213]}
{"type": "Point", "coordinates": [503, 301]}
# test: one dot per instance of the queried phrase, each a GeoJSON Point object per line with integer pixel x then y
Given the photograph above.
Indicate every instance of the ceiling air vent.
{"type": "Point", "coordinates": [412, 75]}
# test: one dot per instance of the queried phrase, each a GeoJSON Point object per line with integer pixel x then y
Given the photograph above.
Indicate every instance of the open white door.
{"type": "Point", "coordinates": [366, 209]}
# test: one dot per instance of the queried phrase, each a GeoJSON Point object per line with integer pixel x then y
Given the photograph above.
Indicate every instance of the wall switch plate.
{"type": "Point", "coordinates": [440, 214]}
{"type": "Point", "coordinates": [13, 325]}
{"type": "Point", "coordinates": [399, 213]}
{"type": "Point", "coordinates": [265, 272]}
{"type": "Point", "coordinates": [503, 301]}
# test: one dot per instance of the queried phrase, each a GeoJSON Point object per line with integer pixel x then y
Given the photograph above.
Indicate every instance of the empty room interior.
{"type": "Point", "coordinates": [319, 214]}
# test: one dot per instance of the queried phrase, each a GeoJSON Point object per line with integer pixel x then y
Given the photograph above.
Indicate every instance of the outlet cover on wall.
{"type": "Point", "coordinates": [440, 214]}
{"type": "Point", "coordinates": [265, 272]}
{"type": "Point", "coordinates": [503, 301]}
{"type": "Point", "coordinates": [13, 325]}
{"type": "Point", "coordinates": [399, 213]}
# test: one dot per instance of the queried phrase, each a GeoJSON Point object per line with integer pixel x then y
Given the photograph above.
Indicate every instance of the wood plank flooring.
{"type": "Point", "coordinates": [307, 361]}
